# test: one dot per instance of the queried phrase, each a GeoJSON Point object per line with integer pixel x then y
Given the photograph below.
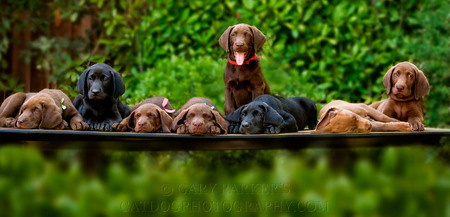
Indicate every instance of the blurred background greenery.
{"type": "Point", "coordinates": [323, 50]}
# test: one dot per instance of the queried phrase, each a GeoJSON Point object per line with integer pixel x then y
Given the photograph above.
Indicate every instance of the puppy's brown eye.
{"type": "Point", "coordinates": [138, 115]}
{"type": "Point", "coordinates": [410, 76]}
{"type": "Point", "coordinates": [91, 78]}
{"type": "Point", "coordinates": [233, 34]}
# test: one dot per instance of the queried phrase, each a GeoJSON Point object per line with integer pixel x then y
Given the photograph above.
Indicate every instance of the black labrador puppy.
{"type": "Point", "coordinates": [100, 87]}
{"type": "Point", "coordinates": [273, 114]}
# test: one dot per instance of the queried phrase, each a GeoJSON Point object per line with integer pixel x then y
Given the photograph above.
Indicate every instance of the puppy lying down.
{"type": "Point", "coordinates": [273, 114]}
{"type": "Point", "coordinates": [47, 109]}
{"type": "Point", "coordinates": [343, 117]}
{"type": "Point", "coordinates": [152, 115]}
{"type": "Point", "coordinates": [199, 116]}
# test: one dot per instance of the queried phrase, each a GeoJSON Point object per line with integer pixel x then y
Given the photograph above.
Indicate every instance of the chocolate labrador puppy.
{"type": "Point", "coordinates": [342, 117]}
{"type": "Point", "coordinates": [152, 115]}
{"type": "Point", "coordinates": [47, 109]}
{"type": "Point", "coordinates": [405, 84]}
{"type": "Point", "coordinates": [273, 114]}
{"type": "Point", "coordinates": [100, 87]}
{"type": "Point", "coordinates": [243, 78]}
{"type": "Point", "coordinates": [199, 116]}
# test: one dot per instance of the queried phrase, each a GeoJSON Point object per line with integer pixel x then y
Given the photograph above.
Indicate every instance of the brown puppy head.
{"type": "Point", "coordinates": [337, 120]}
{"type": "Point", "coordinates": [40, 111]}
{"type": "Point", "coordinates": [405, 81]}
{"type": "Point", "coordinates": [199, 118]}
{"type": "Point", "coordinates": [242, 41]}
{"type": "Point", "coordinates": [149, 118]}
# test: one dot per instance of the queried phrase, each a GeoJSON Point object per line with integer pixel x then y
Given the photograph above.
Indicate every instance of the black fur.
{"type": "Point", "coordinates": [100, 87]}
{"type": "Point", "coordinates": [273, 114]}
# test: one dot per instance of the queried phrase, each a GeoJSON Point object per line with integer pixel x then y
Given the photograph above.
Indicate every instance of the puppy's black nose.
{"type": "Point", "coordinates": [239, 43]}
{"type": "Point", "coordinates": [95, 91]}
{"type": "Point", "coordinates": [400, 87]}
{"type": "Point", "coordinates": [245, 124]}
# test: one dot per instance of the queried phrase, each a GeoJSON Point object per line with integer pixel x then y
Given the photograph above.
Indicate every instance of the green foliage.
{"type": "Point", "coordinates": [396, 181]}
{"type": "Point", "coordinates": [324, 50]}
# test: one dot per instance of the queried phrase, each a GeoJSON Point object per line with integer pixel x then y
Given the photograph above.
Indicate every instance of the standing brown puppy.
{"type": "Point", "coordinates": [405, 84]}
{"type": "Point", "coordinates": [243, 78]}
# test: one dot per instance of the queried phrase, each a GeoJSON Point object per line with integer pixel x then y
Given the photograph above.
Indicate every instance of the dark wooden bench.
{"type": "Point", "coordinates": [90, 140]}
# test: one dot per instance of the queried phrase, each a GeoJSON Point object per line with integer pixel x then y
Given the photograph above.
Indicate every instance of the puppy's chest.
{"type": "Point", "coordinates": [403, 110]}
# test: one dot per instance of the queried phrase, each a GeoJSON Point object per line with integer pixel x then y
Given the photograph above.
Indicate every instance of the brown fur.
{"type": "Point", "coordinates": [405, 84]}
{"type": "Point", "coordinates": [243, 83]}
{"type": "Point", "coordinates": [195, 117]}
{"type": "Point", "coordinates": [41, 110]}
{"type": "Point", "coordinates": [343, 117]}
{"type": "Point", "coordinates": [148, 116]}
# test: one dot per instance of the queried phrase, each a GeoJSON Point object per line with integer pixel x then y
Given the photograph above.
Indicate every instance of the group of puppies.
{"type": "Point", "coordinates": [249, 107]}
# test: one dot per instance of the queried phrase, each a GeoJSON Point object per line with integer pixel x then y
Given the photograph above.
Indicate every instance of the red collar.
{"type": "Point", "coordinates": [245, 62]}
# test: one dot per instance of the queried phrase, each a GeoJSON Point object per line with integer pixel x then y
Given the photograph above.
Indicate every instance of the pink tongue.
{"type": "Point", "coordinates": [240, 56]}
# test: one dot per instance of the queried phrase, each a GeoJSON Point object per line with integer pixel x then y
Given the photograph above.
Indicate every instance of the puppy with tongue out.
{"type": "Point", "coordinates": [243, 78]}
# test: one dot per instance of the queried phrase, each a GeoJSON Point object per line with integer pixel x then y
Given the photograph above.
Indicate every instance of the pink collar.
{"type": "Point", "coordinates": [246, 62]}
{"type": "Point", "coordinates": [164, 103]}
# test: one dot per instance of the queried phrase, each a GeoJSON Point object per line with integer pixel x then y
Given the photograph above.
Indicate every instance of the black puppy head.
{"type": "Point", "coordinates": [100, 82]}
{"type": "Point", "coordinates": [255, 116]}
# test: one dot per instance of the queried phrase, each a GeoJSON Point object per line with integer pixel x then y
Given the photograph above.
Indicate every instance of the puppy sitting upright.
{"type": "Point", "coordinates": [405, 84]}
{"type": "Point", "coordinates": [243, 78]}
{"type": "Point", "coordinates": [47, 109]}
{"type": "Point", "coordinates": [100, 87]}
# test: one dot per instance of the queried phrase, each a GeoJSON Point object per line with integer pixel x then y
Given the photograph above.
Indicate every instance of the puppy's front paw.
{"type": "Point", "coordinates": [270, 129]}
{"type": "Point", "coordinates": [233, 128]}
{"type": "Point", "coordinates": [64, 125]}
{"type": "Point", "coordinates": [79, 126]}
{"type": "Point", "coordinates": [120, 127]}
{"type": "Point", "coordinates": [182, 129]}
{"type": "Point", "coordinates": [417, 126]}
{"type": "Point", "coordinates": [10, 122]}
{"type": "Point", "coordinates": [405, 127]}
{"type": "Point", "coordinates": [214, 130]}
{"type": "Point", "coordinates": [106, 126]}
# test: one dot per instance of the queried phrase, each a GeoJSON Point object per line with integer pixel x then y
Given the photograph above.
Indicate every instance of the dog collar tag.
{"type": "Point", "coordinates": [62, 104]}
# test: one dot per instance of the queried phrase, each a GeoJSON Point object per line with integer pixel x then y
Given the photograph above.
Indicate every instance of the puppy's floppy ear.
{"type": "Point", "coordinates": [326, 118]}
{"type": "Point", "coordinates": [421, 86]}
{"type": "Point", "coordinates": [220, 121]}
{"type": "Point", "coordinates": [118, 86]}
{"type": "Point", "coordinates": [166, 120]}
{"type": "Point", "coordinates": [236, 115]}
{"type": "Point", "coordinates": [179, 119]}
{"type": "Point", "coordinates": [387, 79]}
{"type": "Point", "coordinates": [271, 116]}
{"type": "Point", "coordinates": [258, 38]}
{"type": "Point", "coordinates": [82, 87]}
{"type": "Point", "coordinates": [224, 39]}
{"type": "Point", "coordinates": [51, 116]}
{"type": "Point", "coordinates": [130, 123]}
